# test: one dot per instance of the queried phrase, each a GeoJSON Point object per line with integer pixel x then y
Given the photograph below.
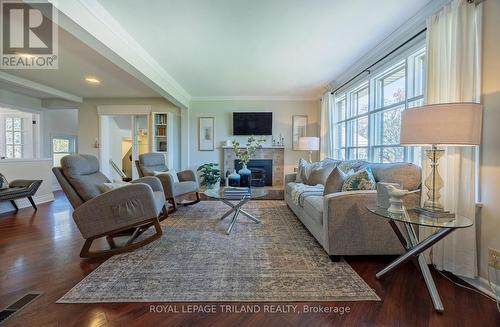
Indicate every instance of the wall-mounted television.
{"type": "Point", "coordinates": [252, 123]}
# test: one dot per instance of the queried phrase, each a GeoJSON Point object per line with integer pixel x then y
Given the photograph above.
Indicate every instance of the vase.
{"type": "Point", "coordinates": [233, 179]}
{"type": "Point", "coordinates": [246, 176]}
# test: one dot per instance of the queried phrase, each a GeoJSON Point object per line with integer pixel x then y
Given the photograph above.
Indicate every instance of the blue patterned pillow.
{"type": "Point", "coordinates": [361, 180]}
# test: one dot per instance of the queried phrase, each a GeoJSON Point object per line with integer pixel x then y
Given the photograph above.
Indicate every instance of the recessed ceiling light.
{"type": "Point", "coordinates": [92, 80]}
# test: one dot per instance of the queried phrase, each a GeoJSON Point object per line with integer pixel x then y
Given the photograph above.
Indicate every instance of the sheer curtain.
{"type": "Point", "coordinates": [453, 75]}
{"type": "Point", "coordinates": [326, 127]}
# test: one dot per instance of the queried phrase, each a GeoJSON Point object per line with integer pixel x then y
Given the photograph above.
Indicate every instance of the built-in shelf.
{"type": "Point", "coordinates": [162, 136]}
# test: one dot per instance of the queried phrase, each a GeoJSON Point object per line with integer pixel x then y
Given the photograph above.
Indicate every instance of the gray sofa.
{"type": "Point", "coordinates": [340, 221]}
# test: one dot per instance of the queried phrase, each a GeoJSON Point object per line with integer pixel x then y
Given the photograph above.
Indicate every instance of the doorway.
{"type": "Point", "coordinates": [123, 139]}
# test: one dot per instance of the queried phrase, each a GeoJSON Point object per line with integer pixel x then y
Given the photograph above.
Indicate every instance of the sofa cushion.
{"type": "Point", "coordinates": [313, 206]}
{"type": "Point", "coordinates": [361, 180]}
{"type": "Point", "coordinates": [335, 181]}
{"type": "Point", "coordinates": [320, 175]}
{"type": "Point", "coordinates": [405, 174]}
{"type": "Point", "coordinates": [306, 168]}
{"type": "Point", "coordinates": [82, 172]}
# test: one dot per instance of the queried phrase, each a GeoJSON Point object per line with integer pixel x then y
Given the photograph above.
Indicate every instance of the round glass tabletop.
{"type": "Point", "coordinates": [416, 218]}
{"type": "Point", "coordinates": [255, 192]}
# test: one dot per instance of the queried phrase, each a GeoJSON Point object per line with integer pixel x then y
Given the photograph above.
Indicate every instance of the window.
{"type": "Point", "coordinates": [61, 146]}
{"type": "Point", "coordinates": [368, 115]}
{"type": "Point", "coordinates": [13, 138]}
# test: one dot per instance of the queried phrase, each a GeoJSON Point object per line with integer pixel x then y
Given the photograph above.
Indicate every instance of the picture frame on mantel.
{"type": "Point", "coordinates": [206, 134]}
{"type": "Point", "coordinates": [299, 129]}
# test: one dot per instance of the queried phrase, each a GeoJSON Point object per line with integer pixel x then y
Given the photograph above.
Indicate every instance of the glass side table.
{"type": "Point", "coordinates": [236, 208]}
{"type": "Point", "coordinates": [414, 248]}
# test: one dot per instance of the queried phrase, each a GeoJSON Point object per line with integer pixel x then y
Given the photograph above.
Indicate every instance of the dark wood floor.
{"type": "Point", "coordinates": [40, 252]}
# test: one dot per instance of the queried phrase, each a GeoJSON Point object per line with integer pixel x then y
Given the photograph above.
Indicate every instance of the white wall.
{"type": "Point", "coordinates": [222, 111]}
{"type": "Point", "coordinates": [88, 120]}
{"type": "Point", "coordinates": [490, 158]}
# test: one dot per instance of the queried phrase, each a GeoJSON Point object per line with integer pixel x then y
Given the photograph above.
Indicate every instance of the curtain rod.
{"type": "Point", "coordinates": [367, 69]}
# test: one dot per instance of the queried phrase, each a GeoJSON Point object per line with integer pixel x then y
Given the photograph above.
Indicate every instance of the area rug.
{"type": "Point", "coordinates": [195, 261]}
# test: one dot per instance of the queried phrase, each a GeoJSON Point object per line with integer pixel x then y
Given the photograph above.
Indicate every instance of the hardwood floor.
{"type": "Point", "coordinates": [39, 251]}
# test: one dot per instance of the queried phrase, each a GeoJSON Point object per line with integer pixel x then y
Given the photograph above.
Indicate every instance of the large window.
{"type": "Point", "coordinates": [18, 134]}
{"type": "Point", "coordinates": [368, 115]}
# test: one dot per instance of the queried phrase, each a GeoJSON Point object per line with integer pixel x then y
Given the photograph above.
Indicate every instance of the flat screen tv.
{"type": "Point", "coordinates": [252, 123]}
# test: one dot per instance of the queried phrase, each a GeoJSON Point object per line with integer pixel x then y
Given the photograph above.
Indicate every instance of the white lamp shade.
{"type": "Point", "coordinates": [450, 124]}
{"type": "Point", "coordinates": [308, 143]}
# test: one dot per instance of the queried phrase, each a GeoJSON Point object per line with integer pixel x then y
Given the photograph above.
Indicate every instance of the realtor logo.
{"type": "Point", "coordinates": [28, 35]}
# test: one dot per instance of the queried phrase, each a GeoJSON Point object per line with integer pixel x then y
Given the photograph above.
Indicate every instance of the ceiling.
{"type": "Point", "coordinates": [77, 60]}
{"type": "Point", "coordinates": [255, 48]}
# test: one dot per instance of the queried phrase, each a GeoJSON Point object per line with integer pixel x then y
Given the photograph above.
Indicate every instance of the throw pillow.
{"type": "Point", "coordinates": [106, 187]}
{"type": "Point", "coordinates": [4, 184]}
{"type": "Point", "coordinates": [336, 180]}
{"type": "Point", "coordinates": [320, 175]}
{"type": "Point", "coordinates": [170, 172]}
{"type": "Point", "coordinates": [361, 180]}
{"type": "Point", "coordinates": [305, 169]}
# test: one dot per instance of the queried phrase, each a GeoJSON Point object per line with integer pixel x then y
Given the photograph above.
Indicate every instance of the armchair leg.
{"type": "Point", "coordinates": [173, 203]}
{"type": "Point", "coordinates": [164, 213]}
{"type": "Point", "coordinates": [86, 253]}
{"type": "Point", "coordinates": [32, 203]}
{"type": "Point", "coordinates": [14, 205]}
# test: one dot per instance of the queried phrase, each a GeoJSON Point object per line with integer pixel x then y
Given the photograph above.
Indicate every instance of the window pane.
{"type": "Point", "coordinates": [8, 124]}
{"type": "Point", "coordinates": [361, 133]}
{"type": "Point", "coordinates": [57, 158]}
{"type": "Point", "coordinates": [17, 124]}
{"type": "Point", "coordinates": [392, 87]}
{"type": "Point", "coordinates": [387, 126]}
{"type": "Point", "coordinates": [359, 104]}
{"type": "Point", "coordinates": [9, 138]}
{"type": "Point", "coordinates": [60, 145]}
{"type": "Point", "coordinates": [17, 138]}
{"type": "Point", "coordinates": [18, 151]}
{"type": "Point", "coordinates": [9, 151]}
{"type": "Point", "coordinates": [340, 109]}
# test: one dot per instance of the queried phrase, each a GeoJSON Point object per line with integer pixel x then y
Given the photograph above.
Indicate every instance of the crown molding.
{"type": "Point", "coordinates": [30, 85]}
{"type": "Point", "coordinates": [254, 98]}
{"type": "Point", "coordinates": [392, 41]}
{"type": "Point", "coordinates": [90, 22]}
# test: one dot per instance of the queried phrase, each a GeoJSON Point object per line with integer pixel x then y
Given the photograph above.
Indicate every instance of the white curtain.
{"type": "Point", "coordinates": [453, 75]}
{"type": "Point", "coordinates": [326, 127]}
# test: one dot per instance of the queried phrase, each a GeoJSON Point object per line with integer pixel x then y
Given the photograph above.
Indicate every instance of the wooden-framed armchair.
{"type": "Point", "coordinates": [174, 185]}
{"type": "Point", "coordinates": [127, 210]}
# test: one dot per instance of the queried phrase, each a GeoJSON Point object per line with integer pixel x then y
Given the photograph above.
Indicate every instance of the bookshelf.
{"type": "Point", "coordinates": [162, 135]}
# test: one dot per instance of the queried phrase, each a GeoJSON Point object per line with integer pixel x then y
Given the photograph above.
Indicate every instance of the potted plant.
{"type": "Point", "coordinates": [244, 155]}
{"type": "Point", "coordinates": [209, 175]}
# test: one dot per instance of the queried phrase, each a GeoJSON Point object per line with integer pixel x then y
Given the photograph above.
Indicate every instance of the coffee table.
{"type": "Point", "coordinates": [414, 247]}
{"type": "Point", "coordinates": [236, 208]}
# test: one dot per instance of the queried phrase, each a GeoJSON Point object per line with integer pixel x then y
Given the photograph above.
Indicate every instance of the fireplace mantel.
{"type": "Point", "coordinates": [274, 153]}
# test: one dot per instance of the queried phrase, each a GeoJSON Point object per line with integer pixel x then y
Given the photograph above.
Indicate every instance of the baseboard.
{"type": "Point", "coordinates": [482, 285]}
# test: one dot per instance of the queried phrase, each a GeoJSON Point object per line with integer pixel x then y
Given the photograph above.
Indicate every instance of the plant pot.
{"type": "Point", "coordinates": [246, 176]}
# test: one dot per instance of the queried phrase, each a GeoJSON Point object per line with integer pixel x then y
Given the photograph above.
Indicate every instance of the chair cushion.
{"type": "Point", "coordinates": [82, 172]}
{"type": "Point", "coordinates": [313, 206]}
{"type": "Point", "coordinates": [184, 188]}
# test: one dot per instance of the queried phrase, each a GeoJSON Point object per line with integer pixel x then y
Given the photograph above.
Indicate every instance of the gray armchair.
{"type": "Point", "coordinates": [128, 210]}
{"type": "Point", "coordinates": [149, 163]}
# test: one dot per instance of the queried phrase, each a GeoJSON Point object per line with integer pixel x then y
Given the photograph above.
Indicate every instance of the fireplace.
{"type": "Point", "coordinates": [262, 171]}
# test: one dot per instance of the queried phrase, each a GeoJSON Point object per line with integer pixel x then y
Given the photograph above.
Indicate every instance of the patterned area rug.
{"type": "Point", "coordinates": [276, 260]}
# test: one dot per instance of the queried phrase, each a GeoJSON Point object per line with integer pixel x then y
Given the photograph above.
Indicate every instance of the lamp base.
{"type": "Point", "coordinates": [439, 215]}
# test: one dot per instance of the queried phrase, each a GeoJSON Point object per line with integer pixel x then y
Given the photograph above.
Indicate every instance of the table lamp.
{"type": "Point", "coordinates": [310, 144]}
{"type": "Point", "coordinates": [447, 124]}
